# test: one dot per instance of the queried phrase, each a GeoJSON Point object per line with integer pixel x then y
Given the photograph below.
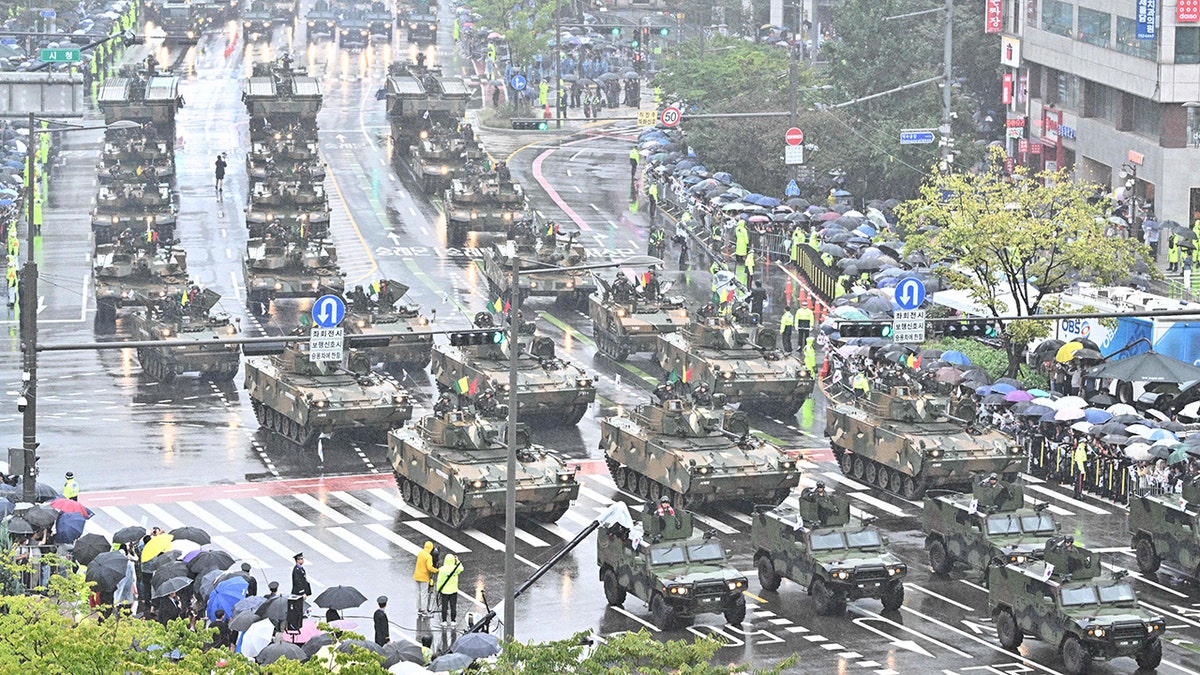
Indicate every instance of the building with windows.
{"type": "Point", "coordinates": [1116, 100]}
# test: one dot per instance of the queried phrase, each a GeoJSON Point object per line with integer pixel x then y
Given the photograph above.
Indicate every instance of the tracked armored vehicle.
{"type": "Point", "coordinates": [438, 156]}
{"type": "Point", "coordinates": [987, 526]}
{"type": "Point", "coordinates": [693, 455]}
{"type": "Point", "coordinates": [401, 335]}
{"type": "Point", "coordinates": [541, 275]}
{"type": "Point", "coordinates": [145, 96]}
{"type": "Point", "coordinates": [299, 399]}
{"type": "Point", "coordinates": [902, 441]}
{"type": "Point", "coordinates": [284, 157]}
{"type": "Point", "coordinates": [174, 319]}
{"type": "Point", "coordinates": [482, 203]}
{"type": "Point", "coordinates": [820, 546]}
{"type": "Point", "coordinates": [139, 207]}
{"type": "Point", "coordinates": [418, 97]}
{"type": "Point", "coordinates": [625, 321]}
{"type": "Point", "coordinates": [1163, 528]}
{"type": "Point", "coordinates": [452, 465]}
{"type": "Point", "coordinates": [282, 99]}
{"type": "Point", "coordinates": [126, 275]}
{"type": "Point", "coordinates": [275, 267]}
{"type": "Point", "coordinates": [300, 207]}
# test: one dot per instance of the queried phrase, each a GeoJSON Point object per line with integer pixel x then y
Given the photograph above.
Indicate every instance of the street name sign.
{"type": "Point", "coordinates": [326, 344]}
{"type": "Point", "coordinates": [60, 55]}
{"type": "Point", "coordinates": [916, 136]}
{"type": "Point", "coordinates": [908, 325]}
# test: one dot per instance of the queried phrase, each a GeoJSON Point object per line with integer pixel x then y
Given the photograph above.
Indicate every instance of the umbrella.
{"type": "Point", "coordinates": [1068, 414]}
{"type": "Point", "coordinates": [1138, 452]}
{"type": "Point", "coordinates": [172, 585]}
{"type": "Point", "coordinates": [1138, 430]}
{"type": "Point", "coordinates": [1036, 411]}
{"type": "Point", "coordinates": [308, 630]}
{"type": "Point", "coordinates": [163, 559]}
{"type": "Point", "coordinates": [1115, 439]}
{"type": "Point", "coordinates": [949, 375]}
{"type": "Point", "coordinates": [18, 525]}
{"type": "Point", "coordinates": [451, 661]}
{"type": "Point", "coordinates": [40, 516]}
{"type": "Point", "coordinates": [168, 570]}
{"type": "Point", "coordinates": [348, 646]}
{"type": "Point", "coordinates": [1161, 435]}
{"type": "Point", "coordinates": [248, 604]}
{"type": "Point", "coordinates": [955, 357]}
{"type": "Point", "coordinates": [209, 559]}
{"type": "Point", "coordinates": [340, 597]}
{"type": "Point", "coordinates": [68, 528]}
{"type": "Point", "coordinates": [314, 645]}
{"type": "Point", "coordinates": [1118, 409]}
{"type": "Point", "coordinates": [243, 620]}
{"type": "Point", "coordinates": [1000, 388]}
{"type": "Point", "coordinates": [477, 645]}
{"type": "Point", "coordinates": [88, 547]}
{"type": "Point", "coordinates": [1018, 395]}
{"type": "Point", "coordinates": [225, 595]}
{"type": "Point", "coordinates": [1159, 451]}
{"type": "Point", "coordinates": [1147, 367]}
{"type": "Point", "coordinates": [1081, 427]}
{"type": "Point", "coordinates": [403, 651]}
{"type": "Point", "coordinates": [1048, 402]}
{"type": "Point", "coordinates": [107, 570]}
{"type": "Point", "coordinates": [71, 506]}
{"type": "Point", "coordinates": [406, 667]}
{"type": "Point", "coordinates": [1096, 416]}
{"type": "Point", "coordinates": [191, 534]}
{"type": "Point", "coordinates": [1088, 355]}
{"type": "Point", "coordinates": [983, 391]}
{"type": "Point", "coordinates": [993, 399]}
{"type": "Point", "coordinates": [275, 609]}
{"type": "Point", "coordinates": [156, 545]}
{"type": "Point", "coordinates": [1179, 454]}
{"type": "Point", "coordinates": [832, 249]}
{"type": "Point", "coordinates": [1039, 393]}
{"type": "Point", "coordinates": [1071, 402]}
{"type": "Point", "coordinates": [206, 582]}
{"type": "Point", "coordinates": [280, 650]}
{"type": "Point", "coordinates": [1067, 352]}
{"type": "Point", "coordinates": [128, 535]}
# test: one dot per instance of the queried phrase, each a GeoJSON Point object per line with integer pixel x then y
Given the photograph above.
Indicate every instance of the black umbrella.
{"type": "Point", "coordinates": [167, 571]}
{"type": "Point", "coordinates": [1147, 367]}
{"type": "Point", "coordinates": [477, 645]}
{"type": "Point", "coordinates": [41, 516]}
{"type": "Point", "coordinates": [107, 570]}
{"type": "Point", "coordinates": [340, 597]}
{"type": "Point", "coordinates": [206, 582]}
{"type": "Point", "coordinates": [993, 399]}
{"type": "Point", "coordinates": [172, 585]}
{"type": "Point", "coordinates": [88, 547]}
{"type": "Point", "coordinates": [18, 525]}
{"type": "Point", "coordinates": [243, 620]}
{"type": "Point", "coordinates": [348, 645]}
{"type": "Point", "coordinates": [279, 650]}
{"type": "Point", "coordinates": [1115, 439]}
{"type": "Point", "coordinates": [1125, 419]}
{"type": "Point", "coordinates": [275, 609]}
{"type": "Point", "coordinates": [128, 535]}
{"type": "Point", "coordinates": [399, 650]}
{"type": "Point", "coordinates": [210, 559]}
{"type": "Point", "coordinates": [1036, 411]}
{"type": "Point", "coordinates": [325, 639]}
{"type": "Point", "coordinates": [164, 558]}
{"type": "Point", "coordinates": [191, 534]}
{"type": "Point", "coordinates": [451, 661]}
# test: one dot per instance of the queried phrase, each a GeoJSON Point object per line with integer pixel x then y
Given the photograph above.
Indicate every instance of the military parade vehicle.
{"type": "Point", "coordinates": [298, 206]}
{"type": "Point", "coordinates": [186, 317]}
{"type": "Point", "coordinates": [833, 555]}
{"type": "Point", "coordinates": [321, 19]}
{"type": "Point", "coordinates": [694, 453]}
{"type": "Point", "coordinates": [405, 337]}
{"type": "Point", "coordinates": [145, 209]}
{"type": "Point", "coordinates": [145, 96]}
{"type": "Point", "coordinates": [284, 11]}
{"type": "Point", "coordinates": [129, 155]}
{"type": "Point", "coordinates": [1065, 601]}
{"type": "Point", "coordinates": [276, 267]}
{"type": "Point", "coordinates": [125, 275]}
{"type": "Point", "coordinates": [353, 30]}
{"type": "Point", "coordinates": [257, 20]}
{"type": "Point", "coordinates": [452, 464]}
{"type": "Point", "coordinates": [990, 525]}
{"type": "Point", "coordinates": [182, 21]}
{"type": "Point", "coordinates": [1164, 529]}
{"type": "Point", "coordinates": [718, 351]}
{"type": "Point", "coordinates": [300, 399]}
{"type": "Point", "coordinates": [422, 28]}
{"type": "Point", "coordinates": [677, 571]}
{"type": "Point", "coordinates": [438, 156]}
{"type": "Point", "coordinates": [418, 97]}
{"type": "Point", "coordinates": [282, 99]}
{"type": "Point", "coordinates": [549, 389]}
{"type": "Point", "coordinates": [482, 203]}
{"type": "Point", "coordinates": [284, 157]}
{"type": "Point", "coordinates": [625, 321]}
{"type": "Point", "coordinates": [903, 441]}
{"type": "Point", "coordinates": [542, 260]}
{"type": "Point", "coordinates": [379, 20]}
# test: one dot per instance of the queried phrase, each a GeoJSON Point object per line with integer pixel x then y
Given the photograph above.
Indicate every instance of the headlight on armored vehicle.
{"type": "Point", "coordinates": [278, 286]}
{"type": "Point", "coordinates": [1014, 449]}
{"type": "Point", "coordinates": [1157, 626]}
{"type": "Point", "coordinates": [1096, 631]}
{"type": "Point", "coordinates": [702, 470]}
{"type": "Point", "coordinates": [230, 330]}
{"type": "Point", "coordinates": [444, 170]}
{"type": "Point", "coordinates": [621, 312]}
{"type": "Point", "coordinates": [1014, 558]}
{"type": "Point", "coordinates": [533, 284]}
{"type": "Point", "coordinates": [422, 321]}
{"type": "Point", "coordinates": [362, 323]}
{"type": "Point", "coordinates": [934, 452]}
{"type": "Point", "coordinates": [474, 215]}
{"type": "Point", "coordinates": [166, 332]}
{"type": "Point", "coordinates": [400, 399]}
{"type": "Point", "coordinates": [506, 215]}
{"type": "Point", "coordinates": [788, 464]}
{"type": "Point", "coordinates": [738, 584]}
{"type": "Point", "coordinates": [570, 283]}
{"type": "Point", "coordinates": [728, 374]}
{"type": "Point", "coordinates": [583, 383]}
{"type": "Point", "coordinates": [412, 26]}
{"type": "Point", "coordinates": [566, 477]}
{"type": "Point", "coordinates": [841, 575]}
{"type": "Point", "coordinates": [678, 590]}
{"type": "Point", "coordinates": [893, 570]}
{"type": "Point", "coordinates": [478, 484]}
{"type": "Point", "coordinates": [321, 404]}
{"type": "Point", "coordinates": [116, 219]}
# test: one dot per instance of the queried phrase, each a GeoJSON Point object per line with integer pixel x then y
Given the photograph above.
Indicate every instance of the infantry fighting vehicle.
{"type": "Point", "coordinates": [1164, 529]}
{"type": "Point", "coordinates": [694, 454]}
{"type": "Point", "coordinates": [137, 207]}
{"type": "Point", "coordinates": [300, 399]}
{"type": "Point", "coordinates": [718, 350]}
{"type": "Point", "coordinates": [149, 98]}
{"type": "Point", "coordinates": [321, 19]}
{"type": "Point", "coordinates": [353, 30]}
{"type": "Point", "coordinates": [422, 28]}
{"type": "Point", "coordinates": [820, 546]}
{"type": "Point", "coordinates": [990, 525]}
{"type": "Point", "coordinates": [678, 572]}
{"type": "Point", "coordinates": [541, 262]}
{"type": "Point", "coordinates": [379, 20]}
{"type": "Point", "coordinates": [403, 335]}
{"type": "Point", "coordinates": [282, 99]}
{"type": "Point", "coordinates": [125, 275]}
{"type": "Point", "coordinates": [173, 319]}
{"type": "Point", "coordinates": [257, 20]}
{"type": "Point", "coordinates": [625, 321]}
{"type": "Point", "coordinates": [482, 203]}
{"type": "Point", "coordinates": [419, 97]}
{"type": "Point", "coordinates": [903, 441]}
{"type": "Point", "coordinates": [275, 267]}
{"type": "Point", "coordinates": [548, 388]}
{"type": "Point", "coordinates": [439, 156]}
{"type": "Point", "coordinates": [453, 465]}
{"type": "Point", "coordinates": [1064, 600]}
{"type": "Point", "coordinates": [298, 206]}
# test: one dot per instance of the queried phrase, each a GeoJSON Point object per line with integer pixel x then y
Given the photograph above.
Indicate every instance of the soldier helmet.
{"type": "Point", "coordinates": [820, 485]}
{"type": "Point", "coordinates": [992, 477]}
{"type": "Point", "coordinates": [665, 500]}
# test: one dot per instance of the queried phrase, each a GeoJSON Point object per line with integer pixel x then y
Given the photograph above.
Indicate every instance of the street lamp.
{"type": "Point", "coordinates": [510, 489]}
{"type": "Point", "coordinates": [27, 305]}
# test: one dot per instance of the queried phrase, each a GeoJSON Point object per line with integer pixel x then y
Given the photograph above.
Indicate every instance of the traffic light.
{"type": "Point", "coordinates": [870, 329]}
{"type": "Point", "coordinates": [616, 32]}
{"type": "Point", "coordinates": [530, 123]}
{"type": "Point", "coordinates": [969, 328]}
{"type": "Point", "coordinates": [634, 43]}
{"type": "Point", "coordinates": [476, 337]}
{"type": "Point", "coordinates": [664, 31]}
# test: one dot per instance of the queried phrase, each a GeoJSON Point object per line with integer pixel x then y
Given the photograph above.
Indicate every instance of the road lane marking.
{"type": "Point", "coordinates": [495, 545]}
{"type": "Point", "coordinates": [943, 598]}
{"type": "Point", "coordinates": [245, 514]}
{"type": "Point", "coordinates": [290, 515]}
{"type": "Point", "coordinates": [636, 618]}
{"type": "Point", "coordinates": [879, 504]}
{"type": "Point", "coordinates": [358, 543]}
{"type": "Point", "coordinates": [120, 516]}
{"type": "Point", "coordinates": [397, 502]}
{"type": "Point", "coordinates": [404, 544]}
{"type": "Point", "coordinates": [715, 524]}
{"type": "Point", "coordinates": [321, 508]}
{"type": "Point", "coordinates": [156, 511]}
{"type": "Point", "coordinates": [437, 537]}
{"type": "Point", "coordinates": [1032, 503]}
{"type": "Point", "coordinates": [274, 546]}
{"type": "Point", "coordinates": [530, 539]}
{"type": "Point", "coordinates": [839, 478]}
{"type": "Point", "coordinates": [994, 647]}
{"type": "Point", "coordinates": [1063, 498]}
{"type": "Point", "coordinates": [311, 543]}
{"type": "Point", "coordinates": [238, 552]}
{"type": "Point", "coordinates": [1136, 575]}
{"type": "Point", "coordinates": [203, 514]}
{"type": "Point", "coordinates": [367, 509]}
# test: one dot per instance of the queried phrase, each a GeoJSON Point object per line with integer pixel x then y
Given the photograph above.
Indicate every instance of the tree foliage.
{"type": "Point", "coordinates": [526, 27]}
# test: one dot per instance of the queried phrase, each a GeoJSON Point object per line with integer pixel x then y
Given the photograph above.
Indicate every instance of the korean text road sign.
{"type": "Point", "coordinates": [908, 325]}
{"type": "Point", "coordinates": [326, 344]}
{"type": "Point", "coordinates": [646, 118]}
{"type": "Point", "coordinates": [61, 55]}
{"type": "Point", "coordinates": [328, 311]}
{"type": "Point", "coordinates": [793, 154]}
{"type": "Point", "coordinates": [916, 136]}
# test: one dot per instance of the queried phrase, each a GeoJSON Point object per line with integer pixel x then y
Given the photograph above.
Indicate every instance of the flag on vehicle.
{"type": "Point", "coordinates": [462, 385]}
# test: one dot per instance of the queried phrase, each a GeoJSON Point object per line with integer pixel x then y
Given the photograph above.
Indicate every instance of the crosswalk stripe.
{"type": "Point", "coordinates": [292, 516]}
{"type": "Point", "coordinates": [205, 515]}
{"type": "Point", "coordinates": [313, 544]}
{"type": "Point", "coordinates": [604, 480]}
{"type": "Point", "coordinates": [495, 545]}
{"type": "Point", "coordinates": [1073, 502]}
{"type": "Point", "coordinates": [1031, 503]}
{"type": "Point", "coordinates": [398, 502]}
{"type": "Point", "coordinates": [367, 509]}
{"type": "Point", "coordinates": [238, 552]}
{"type": "Point", "coordinates": [839, 478]}
{"type": "Point", "coordinates": [358, 543]}
{"type": "Point", "coordinates": [273, 545]}
{"type": "Point", "coordinates": [166, 519]}
{"type": "Point", "coordinates": [581, 520]}
{"type": "Point", "coordinates": [558, 531]}
{"type": "Point", "coordinates": [94, 528]}
{"type": "Point", "coordinates": [406, 545]}
{"type": "Point", "coordinates": [591, 494]}
{"type": "Point", "coordinates": [714, 524]}
{"type": "Point", "coordinates": [245, 514]}
{"type": "Point", "coordinates": [122, 518]}
{"type": "Point", "coordinates": [321, 508]}
{"type": "Point", "coordinates": [437, 537]}
{"type": "Point", "coordinates": [530, 539]}
{"type": "Point", "coordinates": [879, 503]}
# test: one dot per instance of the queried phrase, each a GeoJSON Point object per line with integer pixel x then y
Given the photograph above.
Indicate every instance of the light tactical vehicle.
{"type": "Point", "coordinates": [904, 442]}
{"type": "Point", "coordinates": [820, 546]}
{"type": "Point", "coordinates": [380, 20]}
{"type": "Point", "coordinates": [625, 321]}
{"type": "Point", "coordinates": [174, 319]}
{"type": "Point", "coordinates": [127, 275]}
{"type": "Point", "coordinates": [321, 19]}
{"type": "Point", "coordinates": [353, 30]}
{"type": "Point", "coordinates": [257, 21]}
{"type": "Point", "coordinates": [482, 203]}
{"type": "Point", "coordinates": [275, 267]}
{"type": "Point", "coordinates": [285, 11]}
{"type": "Point", "coordinates": [718, 351]}
{"type": "Point", "coordinates": [1166, 528]}
{"type": "Point", "coordinates": [1065, 601]}
{"type": "Point", "coordinates": [453, 465]}
{"type": "Point", "coordinates": [694, 454]}
{"type": "Point", "coordinates": [400, 335]}
{"type": "Point", "coordinates": [182, 21]}
{"type": "Point", "coordinates": [138, 207]}
{"type": "Point", "coordinates": [422, 28]}
{"type": "Point", "coordinates": [988, 526]}
{"type": "Point", "coordinates": [541, 264]}
{"type": "Point", "coordinates": [299, 399]}
{"type": "Point", "coordinates": [679, 573]}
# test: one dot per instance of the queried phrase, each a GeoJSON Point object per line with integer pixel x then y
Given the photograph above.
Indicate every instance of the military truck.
{"type": "Point", "coordinates": [718, 350]}
{"type": "Point", "coordinates": [298, 206]}
{"type": "Point", "coordinates": [321, 19]}
{"type": "Point", "coordinates": [422, 28]}
{"type": "Point", "coordinates": [1164, 528]}
{"type": "Point", "coordinates": [353, 30]}
{"type": "Point", "coordinates": [453, 465]}
{"type": "Point", "coordinates": [626, 321]}
{"type": "Point", "coordinates": [142, 208]}
{"type": "Point", "coordinates": [990, 525]}
{"type": "Point", "coordinates": [186, 317]}
{"type": "Point", "coordinates": [403, 335]}
{"type": "Point", "coordinates": [541, 263]}
{"type": "Point", "coordinates": [678, 572]}
{"type": "Point", "coordinates": [903, 441]}
{"type": "Point", "coordinates": [257, 21]}
{"type": "Point", "coordinates": [379, 20]}
{"type": "Point", "coordinates": [482, 203]}
{"type": "Point", "coordinates": [276, 267]}
{"type": "Point", "coordinates": [693, 454]}
{"type": "Point", "coordinates": [125, 274]}
{"type": "Point", "coordinates": [1065, 601]}
{"type": "Point", "coordinates": [299, 399]}
{"type": "Point", "coordinates": [833, 555]}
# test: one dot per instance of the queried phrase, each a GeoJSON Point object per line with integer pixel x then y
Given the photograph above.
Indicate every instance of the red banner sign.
{"type": "Point", "coordinates": [1006, 87]}
{"type": "Point", "coordinates": [1022, 146]}
{"type": "Point", "coordinates": [993, 21]}
{"type": "Point", "coordinates": [1187, 11]}
{"type": "Point", "coordinates": [1035, 149]}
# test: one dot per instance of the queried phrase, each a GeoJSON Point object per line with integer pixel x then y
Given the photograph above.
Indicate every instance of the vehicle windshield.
{"type": "Point", "coordinates": [1117, 593]}
{"type": "Point", "coordinates": [666, 555]}
{"type": "Point", "coordinates": [863, 539]}
{"type": "Point", "coordinates": [1004, 524]}
{"type": "Point", "coordinates": [704, 552]}
{"type": "Point", "coordinates": [1084, 595]}
{"type": "Point", "coordinates": [1037, 524]}
{"type": "Point", "coordinates": [824, 541]}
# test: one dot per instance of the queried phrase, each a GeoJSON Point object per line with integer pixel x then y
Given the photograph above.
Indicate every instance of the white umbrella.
{"type": "Point", "coordinates": [1081, 427]}
{"type": "Point", "coordinates": [1191, 410]}
{"type": "Point", "coordinates": [1121, 409]}
{"type": "Point", "coordinates": [1068, 414]}
{"type": "Point", "coordinates": [255, 638]}
{"type": "Point", "coordinates": [408, 668]}
{"type": "Point", "coordinates": [1138, 430]}
{"type": "Point", "coordinates": [1071, 402]}
{"type": "Point", "coordinates": [1138, 452]}
{"type": "Point", "coordinates": [1048, 402]}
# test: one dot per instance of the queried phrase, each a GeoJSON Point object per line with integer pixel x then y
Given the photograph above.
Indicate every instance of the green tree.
{"type": "Point", "coordinates": [526, 29]}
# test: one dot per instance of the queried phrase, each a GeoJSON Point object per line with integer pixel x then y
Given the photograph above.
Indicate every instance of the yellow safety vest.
{"type": "Point", "coordinates": [786, 322]}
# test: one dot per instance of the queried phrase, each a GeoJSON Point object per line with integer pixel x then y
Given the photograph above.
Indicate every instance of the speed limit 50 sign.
{"type": "Point", "coordinates": [670, 116]}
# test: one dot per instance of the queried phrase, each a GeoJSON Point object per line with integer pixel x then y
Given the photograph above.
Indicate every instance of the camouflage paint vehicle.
{"type": "Point", "coordinates": [482, 203]}
{"type": "Point", "coordinates": [1065, 601]}
{"type": "Point", "coordinates": [540, 276]}
{"type": "Point", "coordinates": [149, 97]}
{"type": "Point", "coordinates": [298, 206]}
{"type": "Point", "coordinates": [127, 275]}
{"type": "Point", "coordinates": [438, 156]}
{"type": "Point", "coordinates": [989, 526]}
{"type": "Point", "coordinates": [380, 20]}
{"type": "Point", "coordinates": [454, 466]}
{"type": "Point", "coordinates": [135, 206]}
{"type": "Point", "coordinates": [680, 573]}
{"type": "Point", "coordinates": [902, 441]}
{"type": "Point", "coordinates": [1164, 528]}
{"type": "Point", "coordinates": [820, 546]}
{"type": "Point", "coordinates": [257, 20]}
{"type": "Point", "coordinates": [631, 323]}
{"type": "Point", "coordinates": [281, 99]}
{"type": "Point", "coordinates": [321, 19]}
{"type": "Point", "coordinates": [299, 399]}
{"type": "Point", "coordinates": [284, 157]}
{"type": "Point", "coordinates": [275, 267]}
{"type": "Point", "coordinates": [693, 455]}
{"type": "Point", "coordinates": [719, 352]}
{"type": "Point", "coordinates": [353, 30]}
{"type": "Point", "coordinates": [418, 97]}
{"type": "Point", "coordinates": [422, 28]}
{"type": "Point", "coordinates": [170, 319]}
{"type": "Point", "coordinates": [182, 21]}
{"type": "Point", "coordinates": [400, 335]}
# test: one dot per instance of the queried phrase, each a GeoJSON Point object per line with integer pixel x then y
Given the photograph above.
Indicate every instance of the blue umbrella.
{"type": "Point", "coordinates": [999, 388]}
{"type": "Point", "coordinates": [769, 202]}
{"type": "Point", "coordinates": [225, 596]}
{"type": "Point", "coordinates": [1048, 417]}
{"type": "Point", "coordinates": [866, 230]}
{"type": "Point", "coordinates": [68, 528]}
{"type": "Point", "coordinates": [1162, 434]}
{"type": "Point", "coordinates": [1036, 411]}
{"type": "Point", "coordinates": [1039, 393]}
{"type": "Point", "coordinates": [1096, 416]}
{"type": "Point", "coordinates": [723, 176]}
{"type": "Point", "coordinates": [957, 358]}
{"type": "Point", "coordinates": [13, 164]}
{"type": "Point", "coordinates": [983, 391]}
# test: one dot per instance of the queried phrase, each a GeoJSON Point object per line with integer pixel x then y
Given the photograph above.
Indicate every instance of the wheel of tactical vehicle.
{"type": "Point", "coordinates": [1007, 631]}
{"type": "Point", "coordinates": [1075, 656]}
{"type": "Point", "coordinates": [574, 414]}
{"type": "Point", "coordinates": [664, 614]}
{"type": "Point", "coordinates": [860, 468]}
{"type": "Point", "coordinates": [614, 593]}
{"type": "Point", "coordinates": [735, 610]}
{"type": "Point", "coordinates": [893, 595]}
{"type": "Point", "coordinates": [939, 558]}
{"type": "Point", "coordinates": [1151, 654]}
{"type": "Point", "coordinates": [768, 578]}
{"type": "Point", "coordinates": [872, 473]}
{"type": "Point", "coordinates": [910, 487]}
{"type": "Point", "coordinates": [1147, 555]}
{"type": "Point", "coordinates": [458, 517]}
{"type": "Point", "coordinates": [827, 600]}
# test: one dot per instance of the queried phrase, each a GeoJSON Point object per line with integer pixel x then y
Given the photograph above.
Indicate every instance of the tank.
{"type": "Point", "coordinates": [903, 441]}
{"type": "Point", "coordinates": [299, 399]}
{"type": "Point", "coordinates": [439, 155]}
{"type": "Point", "coordinates": [126, 274]}
{"type": "Point", "coordinates": [401, 334]}
{"type": "Point", "coordinates": [257, 20]}
{"type": "Point", "coordinates": [173, 318]}
{"type": "Point", "coordinates": [353, 29]}
{"type": "Point", "coordinates": [718, 351]}
{"type": "Point", "coordinates": [625, 321]}
{"type": "Point", "coordinates": [142, 208]}
{"type": "Point", "coordinates": [482, 203]}
{"type": "Point", "coordinates": [276, 267]}
{"type": "Point", "coordinates": [453, 465]}
{"type": "Point", "coordinates": [299, 206]}
{"type": "Point", "coordinates": [282, 99]}
{"type": "Point", "coordinates": [284, 157]}
{"type": "Point", "coordinates": [540, 259]}
{"type": "Point", "coordinates": [694, 454]}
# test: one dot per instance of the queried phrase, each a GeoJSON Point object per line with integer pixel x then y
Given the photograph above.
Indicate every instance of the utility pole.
{"type": "Point", "coordinates": [559, 108]}
{"type": "Point", "coordinates": [948, 75]}
{"type": "Point", "coordinates": [28, 292]}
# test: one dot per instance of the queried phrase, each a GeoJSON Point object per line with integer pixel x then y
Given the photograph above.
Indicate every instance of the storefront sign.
{"type": "Point", "coordinates": [1065, 131]}
{"type": "Point", "coordinates": [993, 21]}
{"type": "Point", "coordinates": [1147, 19]}
{"type": "Point", "coordinates": [1035, 148]}
{"type": "Point", "coordinates": [1023, 146]}
{"type": "Point", "coordinates": [1050, 122]}
{"type": "Point", "coordinates": [1006, 83]}
{"type": "Point", "coordinates": [1010, 51]}
{"type": "Point", "coordinates": [1187, 11]}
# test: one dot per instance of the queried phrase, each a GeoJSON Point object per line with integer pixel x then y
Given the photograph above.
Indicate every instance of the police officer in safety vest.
{"type": "Point", "coordinates": [71, 487]}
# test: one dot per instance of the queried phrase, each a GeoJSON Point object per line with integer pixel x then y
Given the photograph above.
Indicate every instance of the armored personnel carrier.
{"type": "Point", "coordinates": [405, 338]}
{"type": "Point", "coordinates": [903, 441]}
{"type": "Point", "coordinates": [694, 454]}
{"type": "Point", "coordinates": [353, 30]}
{"type": "Point", "coordinates": [422, 28]}
{"type": "Point", "coordinates": [186, 317]}
{"type": "Point", "coordinates": [321, 20]}
{"type": "Point", "coordinates": [282, 99]}
{"type": "Point", "coordinates": [379, 20]}
{"type": "Point", "coordinates": [129, 157]}
{"type": "Point", "coordinates": [276, 267]}
{"type": "Point", "coordinates": [628, 321]}
{"type": "Point", "coordinates": [125, 274]}
{"type": "Point", "coordinates": [419, 96]}
{"type": "Point", "coordinates": [482, 203]}
{"type": "Point", "coordinates": [298, 206]}
{"type": "Point", "coordinates": [820, 546]}
{"type": "Point", "coordinates": [299, 399]}
{"type": "Point", "coordinates": [145, 209]}
{"type": "Point", "coordinates": [541, 261]}
{"type": "Point", "coordinates": [990, 525]}
{"type": "Point", "coordinates": [664, 562]}
{"type": "Point", "coordinates": [453, 465]}
{"type": "Point", "coordinates": [438, 156]}
{"type": "Point", "coordinates": [150, 98]}
{"type": "Point", "coordinates": [257, 21]}
{"type": "Point", "coordinates": [550, 389]}
{"type": "Point", "coordinates": [719, 351]}
{"type": "Point", "coordinates": [1066, 601]}
{"type": "Point", "coordinates": [1163, 529]}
